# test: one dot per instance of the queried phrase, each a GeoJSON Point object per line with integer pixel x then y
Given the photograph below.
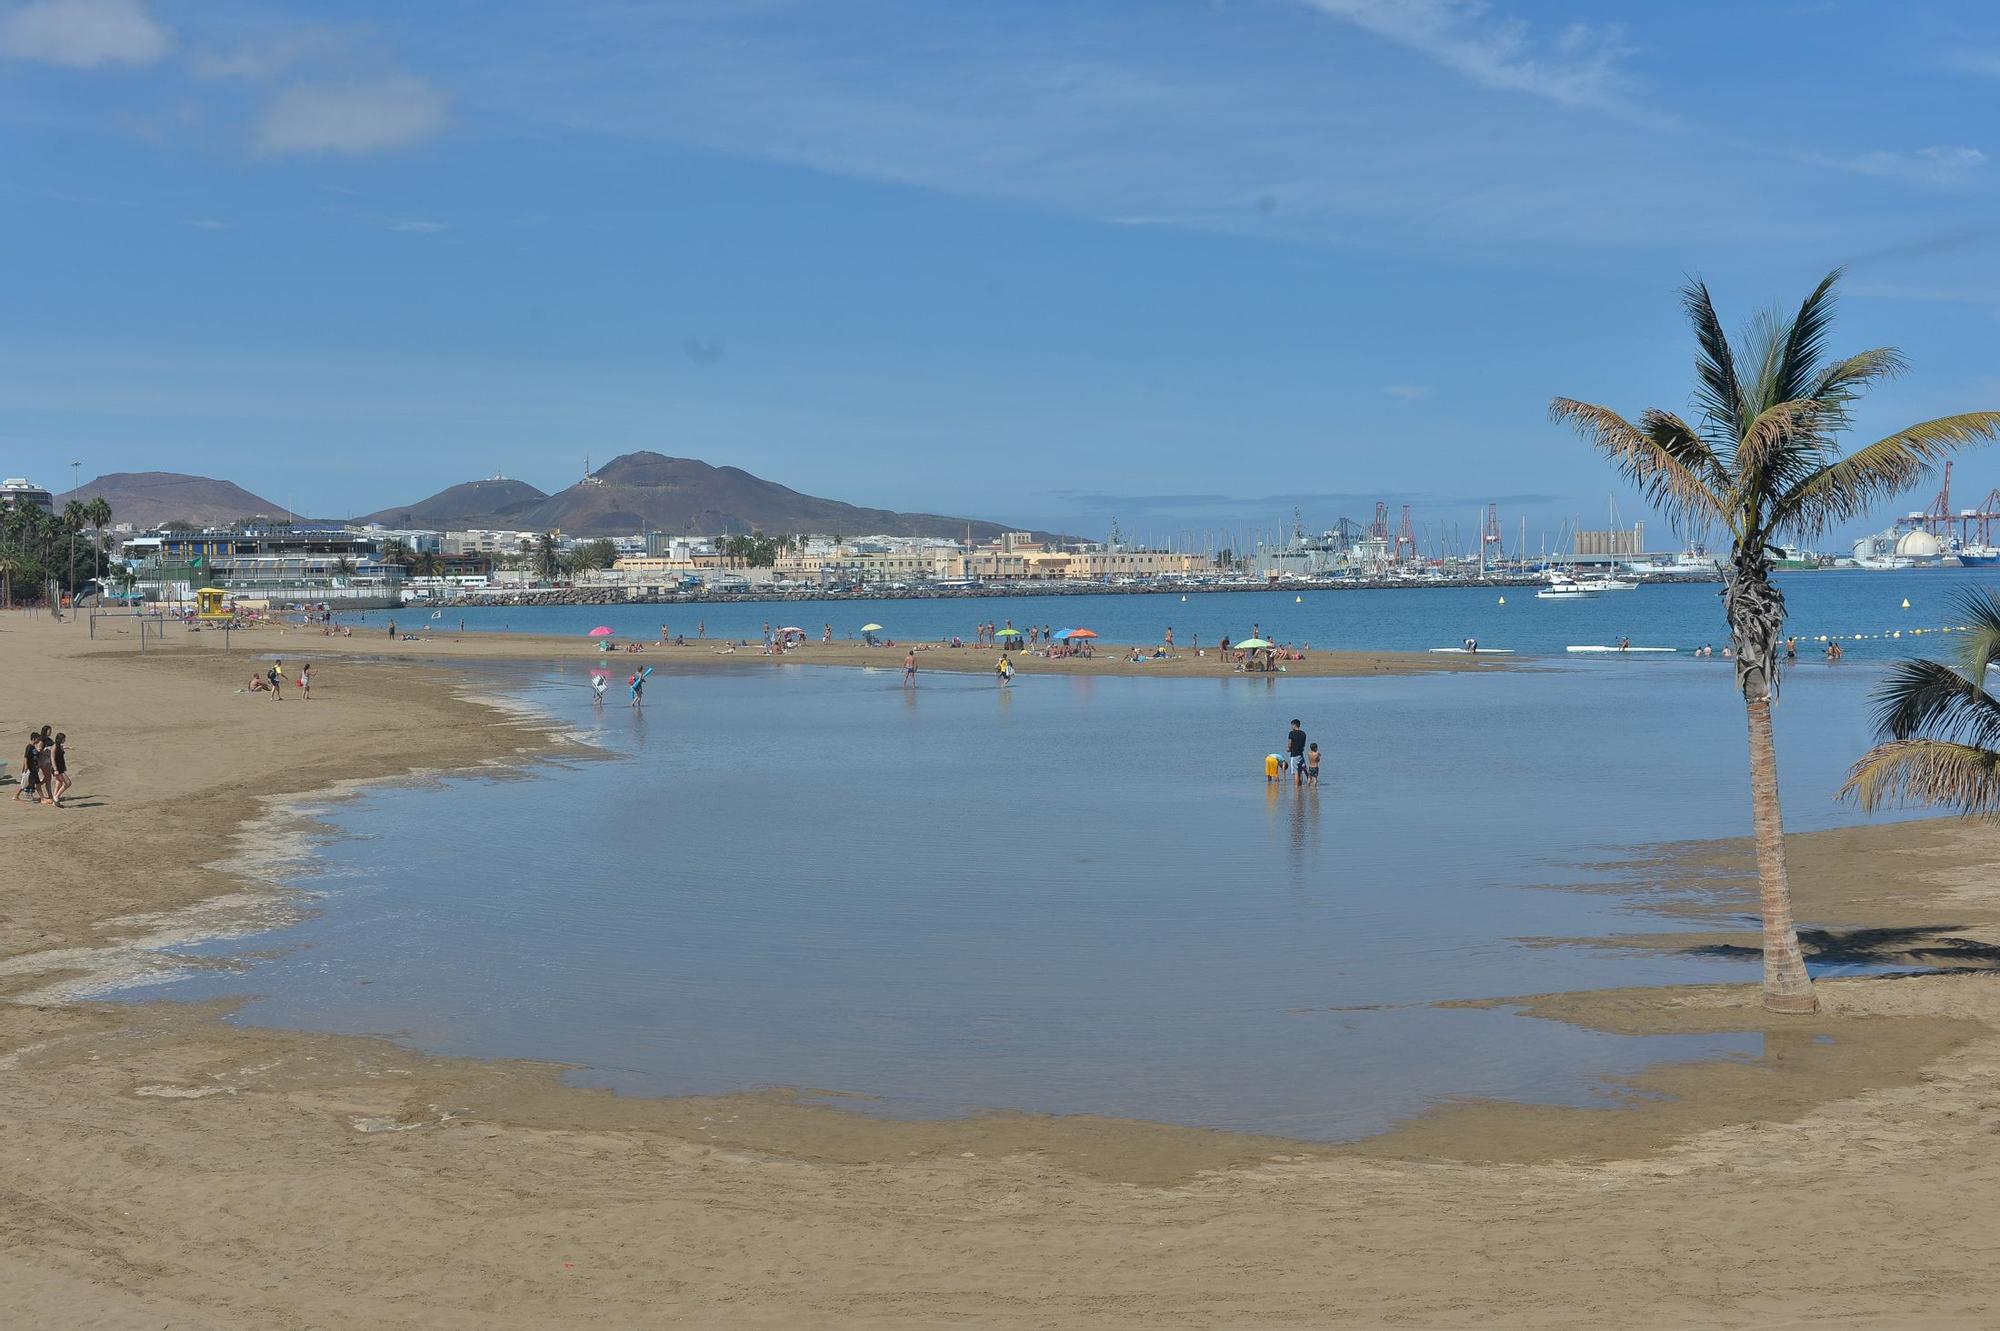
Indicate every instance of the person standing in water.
{"type": "Point", "coordinates": [1312, 764]}
{"type": "Point", "coordinates": [1004, 672]}
{"type": "Point", "coordinates": [639, 689]}
{"type": "Point", "coordinates": [1295, 747]}
{"type": "Point", "coordinates": [910, 666]}
{"type": "Point", "coordinates": [598, 684]}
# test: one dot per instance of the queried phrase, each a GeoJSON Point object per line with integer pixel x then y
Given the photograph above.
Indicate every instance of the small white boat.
{"type": "Point", "coordinates": [1472, 651]}
{"type": "Point", "coordinates": [1620, 651]}
{"type": "Point", "coordinates": [1564, 587]}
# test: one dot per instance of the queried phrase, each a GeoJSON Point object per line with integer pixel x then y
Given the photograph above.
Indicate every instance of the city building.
{"type": "Point", "coordinates": [16, 492]}
{"type": "Point", "coordinates": [268, 566]}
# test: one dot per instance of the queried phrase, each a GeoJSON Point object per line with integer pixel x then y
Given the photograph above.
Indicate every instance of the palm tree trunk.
{"type": "Point", "coordinates": [1787, 987]}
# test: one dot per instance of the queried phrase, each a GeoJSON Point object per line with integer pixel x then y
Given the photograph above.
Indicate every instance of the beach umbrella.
{"type": "Point", "coordinates": [791, 628]}
{"type": "Point", "coordinates": [1008, 633]}
{"type": "Point", "coordinates": [1060, 634]}
{"type": "Point", "coordinates": [601, 631]}
{"type": "Point", "coordinates": [871, 628]}
{"type": "Point", "coordinates": [1251, 644]}
{"type": "Point", "coordinates": [1080, 633]}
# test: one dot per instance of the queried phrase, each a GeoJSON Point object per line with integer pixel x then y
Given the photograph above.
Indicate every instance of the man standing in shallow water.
{"type": "Point", "coordinates": [910, 666]}
{"type": "Point", "coordinates": [1295, 747]}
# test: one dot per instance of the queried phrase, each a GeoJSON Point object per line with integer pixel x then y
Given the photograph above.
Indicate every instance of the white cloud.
{"type": "Point", "coordinates": [83, 34]}
{"type": "Point", "coordinates": [260, 59]}
{"type": "Point", "coordinates": [1581, 66]}
{"type": "Point", "coordinates": [352, 117]}
{"type": "Point", "coordinates": [1932, 166]}
{"type": "Point", "coordinates": [1404, 392]}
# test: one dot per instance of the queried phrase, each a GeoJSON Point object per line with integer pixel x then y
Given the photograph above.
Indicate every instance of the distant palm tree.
{"type": "Point", "coordinates": [1939, 726]}
{"type": "Point", "coordinates": [10, 564]}
{"type": "Point", "coordinates": [548, 557]}
{"type": "Point", "coordinates": [98, 511]}
{"type": "Point", "coordinates": [426, 564]}
{"type": "Point", "coordinates": [1762, 462]}
{"type": "Point", "coordinates": [343, 567]}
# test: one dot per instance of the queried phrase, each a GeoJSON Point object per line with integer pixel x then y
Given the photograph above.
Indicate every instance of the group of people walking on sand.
{"type": "Point", "coordinates": [272, 681]}
{"type": "Point", "coordinates": [44, 769]}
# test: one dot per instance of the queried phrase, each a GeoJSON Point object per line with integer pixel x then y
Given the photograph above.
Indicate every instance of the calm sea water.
{"type": "Point", "coordinates": [1683, 615]}
{"type": "Point", "coordinates": [1074, 895]}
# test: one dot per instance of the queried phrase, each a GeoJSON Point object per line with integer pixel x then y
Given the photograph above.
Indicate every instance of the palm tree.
{"type": "Point", "coordinates": [426, 565]}
{"type": "Point", "coordinates": [548, 559]}
{"type": "Point", "coordinates": [1762, 462]}
{"type": "Point", "coordinates": [343, 567]}
{"type": "Point", "coordinates": [1939, 726]}
{"type": "Point", "coordinates": [98, 512]}
{"type": "Point", "coordinates": [10, 564]}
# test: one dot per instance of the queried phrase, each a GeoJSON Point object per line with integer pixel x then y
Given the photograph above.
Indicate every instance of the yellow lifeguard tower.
{"type": "Point", "coordinates": [208, 603]}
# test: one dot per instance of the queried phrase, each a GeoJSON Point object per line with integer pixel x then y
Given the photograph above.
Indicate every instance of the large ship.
{"type": "Point", "coordinates": [1693, 562]}
{"type": "Point", "coordinates": [1792, 559]}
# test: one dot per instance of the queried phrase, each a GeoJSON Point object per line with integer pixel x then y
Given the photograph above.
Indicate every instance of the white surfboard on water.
{"type": "Point", "coordinates": [1622, 651]}
{"type": "Point", "coordinates": [1483, 651]}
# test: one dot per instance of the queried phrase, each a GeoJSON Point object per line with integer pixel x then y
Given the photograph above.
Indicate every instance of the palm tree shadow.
{"type": "Point", "coordinates": [1934, 947]}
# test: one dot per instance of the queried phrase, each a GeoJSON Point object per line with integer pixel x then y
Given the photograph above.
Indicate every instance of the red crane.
{"type": "Point", "coordinates": [1490, 544]}
{"type": "Point", "coordinates": [1988, 513]}
{"type": "Point", "coordinates": [1937, 519]}
{"type": "Point", "coordinates": [1379, 528]}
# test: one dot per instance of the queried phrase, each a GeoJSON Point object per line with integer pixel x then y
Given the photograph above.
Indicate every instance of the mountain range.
{"type": "Point", "coordinates": [634, 492]}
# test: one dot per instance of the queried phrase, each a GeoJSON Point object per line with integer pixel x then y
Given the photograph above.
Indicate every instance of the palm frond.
{"type": "Point", "coordinates": [1720, 394]}
{"type": "Point", "coordinates": [1782, 447]}
{"type": "Point", "coordinates": [1804, 344]}
{"type": "Point", "coordinates": [1978, 648]}
{"type": "Point", "coordinates": [1849, 487]}
{"type": "Point", "coordinates": [1928, 699]}
{"type": "Point", "coordinates": [1925, 771]}
{"type": "Point", "coordinates": [1842, 381]}
{"type": "Point", "coordinates": [1666, 460]}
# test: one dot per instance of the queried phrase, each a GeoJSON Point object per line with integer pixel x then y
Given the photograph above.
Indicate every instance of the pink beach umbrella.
{"type": "Point", "coordinates": [601, 631]}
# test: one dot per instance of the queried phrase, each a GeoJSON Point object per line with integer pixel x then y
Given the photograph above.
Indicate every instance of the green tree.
{"type": "Point", "coordinates": [548, 557]}
{"type": "Point", "coordinates": [1939, 727]}
{"type": "Point", "coordinates": [98, 513]}
{"type": "Point", "coordinates": [426, 564]}
{"type": "Point", "coordinates": [594, 555]}
{"type": "Point", "coordinates": [343, 567]}
{"type": "Point", "coordinates": [1763, 462]}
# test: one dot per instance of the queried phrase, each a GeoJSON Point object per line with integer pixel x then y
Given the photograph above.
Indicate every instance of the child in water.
{"type": "Point", "coordinates": [1271, 765]}
{"type": "Point", "coordinates": [1312, 764]}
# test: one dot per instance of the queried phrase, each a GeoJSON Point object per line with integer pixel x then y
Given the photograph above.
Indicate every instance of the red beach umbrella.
{"type": "Point", "coordinates": [601, 631]}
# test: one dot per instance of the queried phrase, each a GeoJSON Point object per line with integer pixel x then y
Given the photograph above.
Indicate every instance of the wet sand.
{"type": "Point", "coordinates": [445, 643]}
{"type": "Point", "coordinates": [164, 1169]}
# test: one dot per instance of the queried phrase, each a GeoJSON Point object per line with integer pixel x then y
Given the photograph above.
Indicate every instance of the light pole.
{"type": "Point", "coordinates": [74, 484]}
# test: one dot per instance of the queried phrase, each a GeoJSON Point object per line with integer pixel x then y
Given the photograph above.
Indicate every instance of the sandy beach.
{"type": "Point", "coordinates": [166, 1169]}
{"type": "Point", "coordinates": [420, 640]}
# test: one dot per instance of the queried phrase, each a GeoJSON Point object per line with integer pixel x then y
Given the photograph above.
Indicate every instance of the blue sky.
{"type": "Point", "coordinates": [1186, 264]}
